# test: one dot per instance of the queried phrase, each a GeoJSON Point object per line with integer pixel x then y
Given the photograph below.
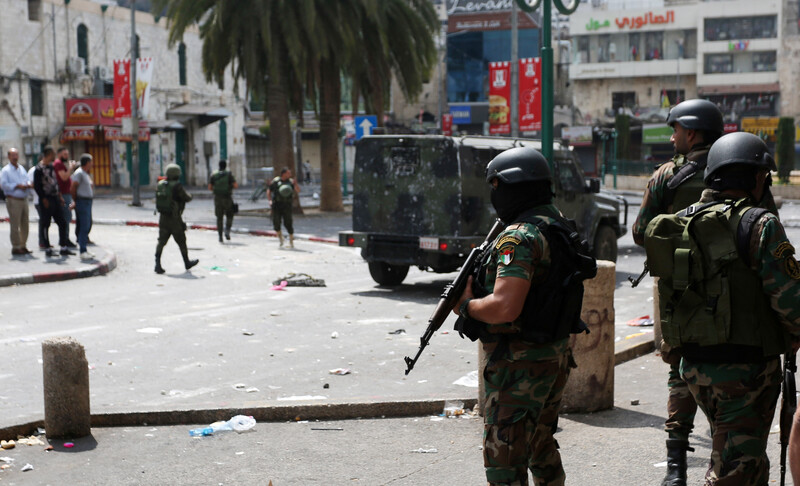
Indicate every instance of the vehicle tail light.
{"type": "Point", "coordinates": [442, 246]}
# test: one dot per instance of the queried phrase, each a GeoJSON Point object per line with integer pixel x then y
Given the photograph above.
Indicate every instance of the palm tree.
{"type": "Point", "coordinates": [259, 40]}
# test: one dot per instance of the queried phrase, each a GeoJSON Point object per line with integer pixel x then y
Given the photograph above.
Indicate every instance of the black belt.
{"type": "Point", "coordinates": [84, 198]}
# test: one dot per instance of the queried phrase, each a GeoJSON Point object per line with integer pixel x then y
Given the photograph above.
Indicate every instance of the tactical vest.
{"type": "Point", "coordinates": [165, 199]}
{"type": "Point", "coordinates": [221, 183]}
{"type": "Point", "coordinates": [709, 295]}
{"type": "Point", "coordinates": [686, 184]}
{"type": "Point", "coordinates": [552, 307]}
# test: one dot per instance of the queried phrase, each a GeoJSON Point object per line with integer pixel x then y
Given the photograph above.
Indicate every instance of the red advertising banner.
{"type": "Point", "coordinates": [530, 94]}
{"type": "Point", "coordinates": [122, 88]}
{"type": "Point", "coordinates": [447, 124]}
{"type": "Point", "coordinates": [499, 98]}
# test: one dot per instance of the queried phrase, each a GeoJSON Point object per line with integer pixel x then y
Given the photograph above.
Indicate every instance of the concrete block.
{"type": "Point", "coordinates": [591, 385]}
{"type": "Point", "coordinates": [66, 388]}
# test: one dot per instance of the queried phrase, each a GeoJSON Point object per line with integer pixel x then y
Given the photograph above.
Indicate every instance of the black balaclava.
{"type": "Point", "coordinates": [510, 200]}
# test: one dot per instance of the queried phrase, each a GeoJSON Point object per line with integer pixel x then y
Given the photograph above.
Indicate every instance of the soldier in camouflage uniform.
{"type": "Point", "coordinates": [170, 222]}
{"type": "Point", "coordinates": [674, 186]}
{"type": "Point", "coordinates": [737, 385]}
{"type": "Point", "coordinates": [524, 380]}
{"type": "Point", "coordinates": [280, 193]}
{"type": "Point", "coordinates": [222, 184]}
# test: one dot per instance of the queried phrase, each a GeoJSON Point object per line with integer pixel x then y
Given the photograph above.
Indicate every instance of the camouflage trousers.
{"type": "Point", "coordinates": [521, 416]}
{"type": "Point", "coordinates": [739, 401]}
{"type": "Point", "coordinates": [681, 406]}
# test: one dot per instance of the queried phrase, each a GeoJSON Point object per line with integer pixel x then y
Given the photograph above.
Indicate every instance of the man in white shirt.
{"type": "Point", "coordinates": [15, 184]}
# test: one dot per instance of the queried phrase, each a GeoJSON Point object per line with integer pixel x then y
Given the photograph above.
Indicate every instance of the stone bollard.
{"type": "Point", "coordinates": [591, 384]}
{"type": "Point", "coordinates": [66, 389]}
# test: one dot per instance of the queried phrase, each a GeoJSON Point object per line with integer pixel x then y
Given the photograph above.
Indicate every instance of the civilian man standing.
{"type": "Point", "coordinates": [46, 187]}
{"type": "Point", "coordinates": [64, 169]}
{"type": "Point", "coordinates": [14, 182]}
{"type": "Point", "coordinates": [82, 195]}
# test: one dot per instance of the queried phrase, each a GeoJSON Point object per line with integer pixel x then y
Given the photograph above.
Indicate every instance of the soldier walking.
{"type": "Point", "coordinates": [280, 193]}
{"type": "Point", "coordinates": [222, 184]}
{"type": "Point", "coordinates": [171, 199]}
{"type": "Point", "coordinates": [525, 375]}
{"type": "Point", "coordinates": [675, 185]}
{"type": "Point", "coordinates": [728, 301]}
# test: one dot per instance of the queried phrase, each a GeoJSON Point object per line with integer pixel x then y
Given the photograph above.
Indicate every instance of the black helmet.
{"type": "Point", "coordinates": [738, 148]}
{"type": "Point", "coordinates": [697, 115]}
{"type": "Point", "coordinates": [519, 164]}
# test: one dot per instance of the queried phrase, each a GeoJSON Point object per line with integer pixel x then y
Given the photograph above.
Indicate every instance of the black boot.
{"type": "Point", "coordinates": [220, 237]}
{"type": "Point", "coordinates": [227, 234]}
{"type": "Point", "coordinates": [159, 268]}
{"type": "Point", "coordinates": [676, 462]}
{"type": "Point", "coordinates": [190, 263]}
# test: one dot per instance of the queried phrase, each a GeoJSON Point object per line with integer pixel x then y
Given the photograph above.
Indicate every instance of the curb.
{"type": "Point", "coordinates": [102, 267]}
{"type": "Point", "coordinates": [632, 347]}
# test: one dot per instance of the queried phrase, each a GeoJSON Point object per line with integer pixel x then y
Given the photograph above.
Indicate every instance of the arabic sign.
{"type": "Point", "coordinates": [77, 133]}
{"type": "Point", "coordinates": [763, 127]}
{"type": "Point", "coordinates": [122, 87]}
{"type": "Point", "coordinates": [89, 111]}
{"type": "Point", "coordinates": [656, 133]}
{"type": "Point", "coordinates": [499, 97]}
{"type": "Point", "coordinates": [633, 22]}
{"type": "Point", "coordinates": [487, 21]}
{"type": "Point", "coordinates": [577, 136]}
{"type": "Point", "coordinates": [447, 124]}
{"type": "Point", "coordinates": [530, 94]}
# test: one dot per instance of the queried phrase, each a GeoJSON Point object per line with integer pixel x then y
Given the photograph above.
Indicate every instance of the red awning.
{"type": "Point", "coordinates": [73, 133]}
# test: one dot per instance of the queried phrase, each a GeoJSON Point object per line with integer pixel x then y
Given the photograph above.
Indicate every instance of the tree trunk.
{"type": "Point", "coordinates": [280, 134]}
{"type": "Point", "coordinates": [330, 97]}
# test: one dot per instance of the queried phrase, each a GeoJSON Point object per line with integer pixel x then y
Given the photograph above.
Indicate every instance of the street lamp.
{"type": "Point", "coordinates": [547, 64]}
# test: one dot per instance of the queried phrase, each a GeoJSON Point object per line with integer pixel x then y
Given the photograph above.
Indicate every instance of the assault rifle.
{"type": "Point", "coordinates": [788, 406]}
{"type": "Point", "coordinates": [452, 291]}
{"type": "Point", "coordinates": [635, 281]}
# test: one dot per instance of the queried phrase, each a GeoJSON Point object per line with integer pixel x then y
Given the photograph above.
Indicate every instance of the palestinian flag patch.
{"type": "Point", "coordinates": [507, 254]}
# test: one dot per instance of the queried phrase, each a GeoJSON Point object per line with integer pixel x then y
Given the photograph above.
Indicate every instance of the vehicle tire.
{"type": "Point", "coordinates": [386, 274]}
{"type": "Point", "coordinates": [605, 243]}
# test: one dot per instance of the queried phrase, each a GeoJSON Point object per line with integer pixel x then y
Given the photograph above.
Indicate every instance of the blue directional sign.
{"type": "Point", "coordinates": [364, 125]}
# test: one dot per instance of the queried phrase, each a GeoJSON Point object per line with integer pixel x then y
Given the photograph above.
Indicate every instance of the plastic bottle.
{"type": "Point", "coordinates": [239, 423]}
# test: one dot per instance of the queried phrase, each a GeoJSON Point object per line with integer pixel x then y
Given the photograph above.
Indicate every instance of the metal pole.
{"type": "Point", "coordinates": [70, 76]}
{"type": "Point", "coordinates": [55, 48]}
{"type": "Point", "coordinates": [134, 112]}
{"type": "Point", "coordinates": [344, 169]}
{"type": "Point", "coordinates": [547, 84]}
{"type": "Point", "coordinates": [514, 112]}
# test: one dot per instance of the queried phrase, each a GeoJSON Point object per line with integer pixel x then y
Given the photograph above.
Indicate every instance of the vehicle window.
{"type": "Point", "coordinates": [404, 160]}
{"type": "Point", "coordinates": [568, 176]}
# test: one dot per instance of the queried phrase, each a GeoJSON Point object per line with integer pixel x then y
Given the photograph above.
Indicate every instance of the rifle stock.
{"type": "Point", "coordinates": [788, 406]}
{"type": "Point", "coordinates": [453, 291]}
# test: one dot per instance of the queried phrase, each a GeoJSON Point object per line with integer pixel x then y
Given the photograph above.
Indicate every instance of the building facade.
{"type": "Point", "coordinates": [56, 54]}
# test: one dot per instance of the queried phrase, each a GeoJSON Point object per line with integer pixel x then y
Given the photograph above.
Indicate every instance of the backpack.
{"type": "Point", "coordinates": [165, 203]}
{"type": "Point", "coordinates": [222, 183]}
{"type": "Point", "coordinates": [552, 309]}
{"type": "Point", "coordinates": [281, 194]}
{"type": "Point", "coordinates": [697, 254]}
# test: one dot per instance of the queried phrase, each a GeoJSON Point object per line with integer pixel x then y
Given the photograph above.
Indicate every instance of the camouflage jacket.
{"type": "Point", "coordinates": [772, 258]}
{"type": "Point", "coordinates": [656, 200]}
{"type": "Point", "coordinates": [521, 251]}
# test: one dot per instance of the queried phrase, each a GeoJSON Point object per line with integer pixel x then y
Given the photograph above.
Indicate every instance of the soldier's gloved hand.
{"type": "Point", "coordinates": [468, 327]}
{"type": "Point", "coordinates": [478, 290]}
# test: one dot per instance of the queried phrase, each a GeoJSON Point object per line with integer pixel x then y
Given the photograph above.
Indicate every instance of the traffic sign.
{"type": "Point", "coordinates": [364, 125]}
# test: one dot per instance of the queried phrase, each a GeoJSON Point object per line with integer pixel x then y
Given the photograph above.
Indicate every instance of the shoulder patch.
{"type": "Point", "coordinates": [508, 239]}
{"type": "Point", "coordinates": [783, 250]}
{"type": "Point", "coordinates": [507, 254]}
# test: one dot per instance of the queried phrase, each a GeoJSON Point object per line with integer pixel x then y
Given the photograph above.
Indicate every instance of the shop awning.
{"type": "Point", "coordinates": [165, 125]}
{"type": "Point", "coordinates": [115, 133]}
{"type": "Point", "coordinates": [739, 89]}
{"type": "Point", "coordinates": [73, 133]}
{"type": "Point", "coordinates": [205, 115]}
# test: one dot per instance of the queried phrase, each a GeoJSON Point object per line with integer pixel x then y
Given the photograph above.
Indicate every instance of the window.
{"type": "Point", "coordinates": [673, 100]}
{"type": "Point", "coordinates": [83, 46]}
{"type": "Point", "coordinates": [762, 27]}
{"type": "Point", "coordinates": [653, 45]}
{"type": "Point", "coordinates": [35, 10]}
{"type": "Point", "coordinates": [37, 97]}
{"type": "Point", "coordinates": [718, 63]}
{"type": "Point", "coordinates": [182, 64]}
{"type": "Point", "coordinates": [635, 46]}
{"type": "Point", "coordinates": [623, 99]}
{"type": "Point", "coordinates": [764, 61]}
{"type": "Point", "coordinates": [582, 50]}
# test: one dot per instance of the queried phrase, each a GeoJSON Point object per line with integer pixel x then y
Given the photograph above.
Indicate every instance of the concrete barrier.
{"type": "Point", "coordinates": [591, 385]}
{"type": "Point", "coordinates": [66, 389]}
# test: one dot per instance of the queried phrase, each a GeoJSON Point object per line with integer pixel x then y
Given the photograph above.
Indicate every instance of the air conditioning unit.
{"type": "Point", "coordinates": [102, 72]}
{"type": "Point", "coordinates": [76, 66]}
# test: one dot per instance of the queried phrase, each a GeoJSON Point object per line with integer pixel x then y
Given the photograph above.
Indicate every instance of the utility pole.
{"type": "Point", "coordinates": [547, 64]}
{"type": "Point", "coordinates": [134, 112]}
{"type": "Point", "coordinates": [70, 76]}
{"type": "Point", "coordinates": [514, 112]}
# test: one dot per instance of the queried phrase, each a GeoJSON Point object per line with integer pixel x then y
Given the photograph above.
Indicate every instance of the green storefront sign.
{"type": "Point", "coordinates": [656, 133]}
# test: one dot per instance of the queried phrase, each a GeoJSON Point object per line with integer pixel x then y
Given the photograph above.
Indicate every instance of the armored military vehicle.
{"type": "Point", "coordinates": [423, 200]}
